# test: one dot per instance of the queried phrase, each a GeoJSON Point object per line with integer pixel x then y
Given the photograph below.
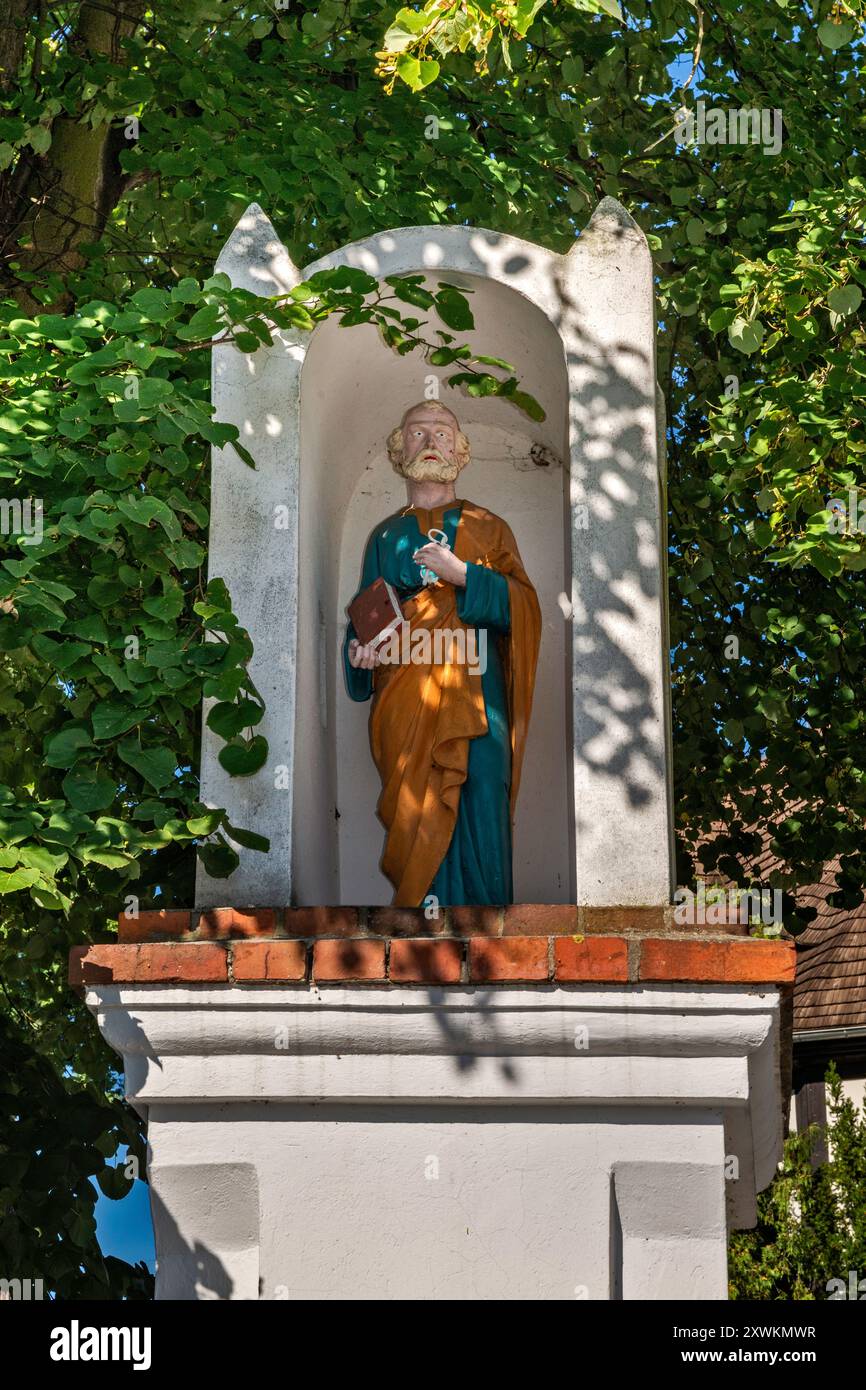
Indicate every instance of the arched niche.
{"type": "Point", "coordinates": [315, 410]}
{"type": "Point", "coordinates": [354, 390]}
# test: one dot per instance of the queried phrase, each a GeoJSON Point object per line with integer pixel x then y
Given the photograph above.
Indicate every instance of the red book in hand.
{"type": "Point", "coordinates": [374, 613]}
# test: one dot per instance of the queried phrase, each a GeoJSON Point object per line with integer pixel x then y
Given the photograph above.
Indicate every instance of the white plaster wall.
{"type": "Point", "coordinates": [353, 392]}
{"type": "Point", "coordinates": [853, 1089]}
{"type": "Point", "coordinates": [509, 1202]}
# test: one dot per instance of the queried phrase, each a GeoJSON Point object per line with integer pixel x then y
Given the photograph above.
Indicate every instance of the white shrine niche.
{"type": "Point", "coordinates": [353, 392]}
{"type": "Point", "coordinates": [593, 820]}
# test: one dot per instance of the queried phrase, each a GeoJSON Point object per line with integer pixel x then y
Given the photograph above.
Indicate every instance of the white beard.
{"type": "Point", "coordinates": [427, 470]}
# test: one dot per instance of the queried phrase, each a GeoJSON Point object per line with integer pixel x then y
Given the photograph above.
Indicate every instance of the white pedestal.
{"type": "Point", "coordinates": [459, 1143]}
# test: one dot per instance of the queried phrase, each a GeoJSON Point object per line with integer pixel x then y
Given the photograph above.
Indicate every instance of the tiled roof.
{"type": "Point", "coordinates": [831, 953]}
{"type": "Point", "coordinates": [831, 961]}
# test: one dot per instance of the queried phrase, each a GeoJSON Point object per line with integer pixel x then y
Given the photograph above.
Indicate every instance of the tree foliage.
{"type": "Point", "coordinates": [131, 139]}
{"type": "Point", "coordinates": [55, 1138]}
{"type": "Point", "coordinates": [811, 1227]}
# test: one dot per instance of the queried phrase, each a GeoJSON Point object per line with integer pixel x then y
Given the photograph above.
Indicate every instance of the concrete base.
{"type": "Point", "coordinates": [459, 1143]}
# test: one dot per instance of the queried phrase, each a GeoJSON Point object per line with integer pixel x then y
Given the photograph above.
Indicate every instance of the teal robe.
{"type": "Point", "coordinates": [477, 865]}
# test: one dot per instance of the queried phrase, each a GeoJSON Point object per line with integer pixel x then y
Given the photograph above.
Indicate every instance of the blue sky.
{"type": "Point", "coordinates": [124, 1228]}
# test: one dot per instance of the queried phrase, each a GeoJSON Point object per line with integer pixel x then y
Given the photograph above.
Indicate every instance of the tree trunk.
{"type": "Point", "coordinates": [13, 38]}
{"type": "Point", "coordinates": [50, 204]}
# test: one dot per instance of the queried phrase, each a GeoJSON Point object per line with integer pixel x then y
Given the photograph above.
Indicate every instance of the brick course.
{"type": "Point", "coordinates": [333, 946]}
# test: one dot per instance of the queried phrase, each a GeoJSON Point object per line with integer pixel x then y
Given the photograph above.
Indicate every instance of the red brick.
{"type": "Point", "coordinates": [613, 920]}
{"type": "Point", "coordinates": [475, 921]}
{"type": "Point", "coordinates": [404, 921]}
{"type": "Point", "coordinates": [321, 921]}
{"type": "Point", "coordinates": [229, 923]}
{"type": "Point", "coordinates": [257, 961]}
{"type": "Point", "coordinates": [182, 963]}
{"type": "Point", "coordinates": [731, 928]}
{"type": "Point", "coordinates": [171, 963]}
{"type": "Point", "coordinates": [540, 919]}
{"type": "Point", "coordinates": [150, 925]}
{"type": "Point", "coordinates": [603, 958]}
{"type": "Point", "coordinates": [426, 962]}
{"type": "Point", "coordinates": [512, 958]}
{"type": "Point", "coordinates": [349, 960]}
{"type": "Point", "coordinates": [718, 962]}
{"type": "Point", "coordinates": [87, 965]}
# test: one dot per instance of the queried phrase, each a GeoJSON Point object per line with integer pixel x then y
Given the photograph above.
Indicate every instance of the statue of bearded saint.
{"type": "Point", "coordinates": [451, 708]}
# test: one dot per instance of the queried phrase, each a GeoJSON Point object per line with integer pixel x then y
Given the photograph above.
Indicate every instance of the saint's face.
{"type": "Point", "coordinates": [429, 433]}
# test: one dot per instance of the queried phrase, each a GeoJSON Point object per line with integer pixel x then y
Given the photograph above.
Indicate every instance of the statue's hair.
{"type": "Point", "coordinates": [395, 438]}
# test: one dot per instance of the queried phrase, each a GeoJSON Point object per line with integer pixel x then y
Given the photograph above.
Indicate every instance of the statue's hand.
{"type": "Point", "coordinates": [442, 562]}
{"type": "Point", "coordinates": [365, 658]}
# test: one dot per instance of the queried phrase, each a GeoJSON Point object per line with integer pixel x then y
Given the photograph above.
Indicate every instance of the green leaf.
{"type": "Point", "coordinates": [696, 231]}
{"type": "Point", "coordinates": [408, 25]}
{"type": "Point", "coordinates": [572, 66]}
{"type": "Point", "coordinates": [746, 335]}
{"type": "Point", "coordinates": [495, 362]}
{"type": "Point", "coordinates": [528, 404]}
{"type": "Point", "coordinates": [115, 672]}
{"type": "Point", "coordinates": [60, 655]}
{"type": "Point", "coordinates": [834, 35]}
{"type": "Point", "coordinates": [48, 862]}
{"type": "Point", "coordinates": [87, 790]}
{"type": "Point", "coordinates": [16, 880]}
{"type": "Point", "coordinates": [65, 827]}
{"type": "Point", "coordinates": [40, 138]}
{"type": "Point", "coordinates": [429, 71]}
{"type": "Point", "coordinates": [228, 719]}
{"type": "Point", "coordinates": [248, 838]}
{"type": "Point", "coordinates": [219, 859]}
{"type": "Point", "coordinates": [165, 606]}
{"type": "Point", "coordinates": [720, 319]}
{"type": "Point", "coordinates": [144, 511]}
{"type": "Point", "coordinates": [66, 747]}
{"type": "Point", "coordinates": [108, 858]}
{"type": "Point", "coordinates": [50, 898]}
{"type": "Point", "coordinates": [205, 323]}
{"type": "Point", "coordinates": [205, 824]}
{"type": "Point", "coordinates": [410, 292]}
{"type": "Point", "coordinates": [113, 1182]}
{"type": "Point", "coordinates": [845, 299]}
{"type": "Point", "coordinates": [243, 453]}
{"type": "Point", "coordinates": [156, 765]}
{"type": "Point", "coordinates": [243, 757]}
{"type": "Point", "coordinates": [105, 592]}
{"type": "Point", "coordinates": [110, 719]}
{"type": "Point", "coordinates": [453, 309]}
{"type": "Point", "coordinates": [154, 304]}
{"type": "Point", "coordinates": [343, 277]}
